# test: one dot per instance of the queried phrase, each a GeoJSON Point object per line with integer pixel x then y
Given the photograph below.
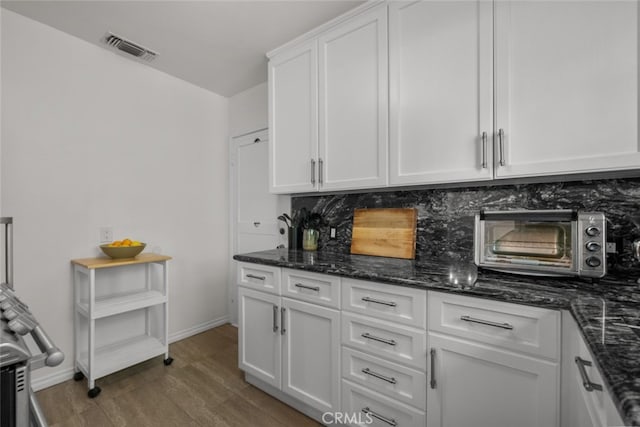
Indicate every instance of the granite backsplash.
{"type": "Point", "coordinates": [446, 215]}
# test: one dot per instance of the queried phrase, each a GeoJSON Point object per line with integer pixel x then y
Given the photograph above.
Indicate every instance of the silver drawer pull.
{"type": "Point", "coordinates": [433, 383]}
{"type": "Point", "coordinates": [275, 318]}
{"type": "Point", "coordinates": [374, 338]}
{"type": "Point", "coordinates": [389, 421]}
{"type": "Point", "coordinates": [368, 371]}
{"type": "Point", "coordinates": [311, 288]}
{"type": "Point", "coordinates": [486, 322]}
{"type": "Point", "coordinates": [253, 276]}
{"type": "Point", "coordinates": [379, 301]}
{"type": "Point", "coordinates": [282, 328]}
{"type": "Point", "coordinates": [588, 384]}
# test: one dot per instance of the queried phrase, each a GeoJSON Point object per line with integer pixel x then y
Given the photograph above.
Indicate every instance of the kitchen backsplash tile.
{"type": "Point", "coordinates": [446, 216]}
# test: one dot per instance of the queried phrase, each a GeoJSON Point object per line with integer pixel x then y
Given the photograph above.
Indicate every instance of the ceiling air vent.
{"type": "Point", "coordinates": [129, 47]}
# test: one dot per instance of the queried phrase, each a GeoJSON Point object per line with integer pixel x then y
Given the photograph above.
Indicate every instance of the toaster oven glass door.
{"type": "Point", "coordinates": [529, 243]}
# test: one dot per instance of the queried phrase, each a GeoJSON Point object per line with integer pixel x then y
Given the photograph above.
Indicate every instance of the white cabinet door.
{"type": "Point", "coordinates": [293, 119]}
{"type": "Point", "coordinates": [353, 103]}
{"type": "Point", "coordinates": [480, 386]}
{"type": "Point", "coordinates": [440, 91]}
{"type": "Point", "coordinates": [311, 354]}
{"type": "Point", "coordinates": [566, 87]}
{"type": "Point", "coordinates": [259, 342]}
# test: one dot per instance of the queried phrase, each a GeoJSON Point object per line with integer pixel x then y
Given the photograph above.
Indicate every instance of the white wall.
{"type": "Point", "coordinates": [248, 110]}
{"type": "Point", "coordinates": [92, 139]}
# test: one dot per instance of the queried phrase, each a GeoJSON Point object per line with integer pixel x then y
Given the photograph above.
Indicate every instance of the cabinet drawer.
{"type": "Point", "coordinates": [261, 277]}
{"type": "Point", "coordinates": [367, 408]}
{"type": "Point", "coordinates": [398, 343]}
{"type": "Point", "coordinates": [311, 287]}
{"type": "Point", "coordinates": [517, 327]}
{"type": "Point", "coordinates": [389, 302]}
{"type": "Point", "coordinates": [393, 380]}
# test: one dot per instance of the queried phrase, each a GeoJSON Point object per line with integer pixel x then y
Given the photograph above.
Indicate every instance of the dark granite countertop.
{"type": "Point", "coordinates": [615, 299]}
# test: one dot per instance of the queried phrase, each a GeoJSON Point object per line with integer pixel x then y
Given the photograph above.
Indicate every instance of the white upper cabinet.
{"type": "Point", "coordinates": [353, 103]}
{"type": "Point", "coordinates": [293, 119]}
{"type": "Point", "coordinates": [566, 87]}
{"type": "Point", "coordinates": [441, 122]}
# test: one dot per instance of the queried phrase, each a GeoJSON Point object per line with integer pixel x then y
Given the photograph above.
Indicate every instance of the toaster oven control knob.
{"type": "Point", "coordinates": [593, 246]}
{"type": "Point", "coordinates": [593, 261]}
{"type": "Point", "coordinates": [592, 231]}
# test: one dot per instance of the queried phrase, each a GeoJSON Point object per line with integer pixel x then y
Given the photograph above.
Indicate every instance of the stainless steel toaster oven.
{"type": "Point", "coordinates": [542, 242]}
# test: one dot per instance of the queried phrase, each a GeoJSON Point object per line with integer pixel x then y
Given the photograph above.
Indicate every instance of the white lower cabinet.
{"type": "Point", "coordinates": [291, 345]}
{"type": "Point", "coordinates": [585, 400]}
{"type": "Point", "coordinates": [474, 385]}
{"type": "Point", "coordinates": [383, 361]}
{"type": "Point", "coordinates": [489, 366]}
{"type": "Point", "coordinates": [311, 354]}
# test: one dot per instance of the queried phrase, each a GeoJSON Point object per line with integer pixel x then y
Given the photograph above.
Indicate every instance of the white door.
{"type": "Point", "coordinates": [353, 103]}
{"type": "Point", "coordinates": [293, 119]}
{"type": "Point", "coordinates": [259, 342]}
{"type": "Point", "coordinates": [566, 87]}
{"type": "Point", "coordinates": [254, 210]}
{"type": "Point", "coordinates": [311, 354]}
{"type": "Point", "coordinates": [440, 91]}
{"type": "Point", "coordinates": [480, 386]}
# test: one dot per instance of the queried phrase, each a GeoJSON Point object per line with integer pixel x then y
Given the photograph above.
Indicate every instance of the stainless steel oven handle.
{"type": "Point", "coordinates": [369, 372]}
{"type": "Point", "coordinates": [389, 421]}
{"type": "Point", "coordinates": [368, 336]}
{"type": "Point", "coordinates": [586, 381]}
{"type": "Point", "coordinates": [487, 322]}
{"type": "Point", "coordinates": [379, 301]}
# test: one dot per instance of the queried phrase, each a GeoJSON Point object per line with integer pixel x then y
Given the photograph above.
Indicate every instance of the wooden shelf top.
{"type": "Point", "coordinates": [104, 262]}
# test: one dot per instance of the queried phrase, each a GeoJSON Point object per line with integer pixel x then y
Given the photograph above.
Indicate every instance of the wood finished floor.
{"type": "Point", "coordinates": [203, 387]}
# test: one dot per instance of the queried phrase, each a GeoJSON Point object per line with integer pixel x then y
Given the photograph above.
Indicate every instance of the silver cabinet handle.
{"type": "Point", "coordinates": [501, 146]}
{"type": "Point", "coordinates": [320, 171]}
{"type": "Point", "coordinates": [312, 288]}
{"type": "Point", "coordinates": [282, 329]}
{"type": "Point", "coordinates": [368, 371]}
{"type": "Point", "coordinates": [256, 224]}
{"type": "Point", "coordinates": [483, 164]}
{"type": "Point", "coordinates": [368, 336]}
{"type": "Point", "coordinates": [313, 172]}
{"type": "Point", "coordinates": [432, 383]}
{"type": "Point", "coordinates": [253, 276]}
{"type": "Point", "coordinates": [389, 421]}
{"type": "Point", "coordinates": [588, 384]}
{"type": "Point", "coordinates": [379, 301]}
{"type": "Point", "coordinates": [486, 322]}
{"type": "Point", "coordinates": [275, 318]}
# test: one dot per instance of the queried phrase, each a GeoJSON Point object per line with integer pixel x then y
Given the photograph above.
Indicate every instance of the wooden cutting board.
{"type": "Point", "coordinates": [385, 232]}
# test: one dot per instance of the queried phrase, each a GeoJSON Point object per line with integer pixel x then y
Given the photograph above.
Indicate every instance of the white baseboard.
{"type": "Point", "coordinates": [186, 333]}
{"type": "Point", "coordinates": [66, 374]}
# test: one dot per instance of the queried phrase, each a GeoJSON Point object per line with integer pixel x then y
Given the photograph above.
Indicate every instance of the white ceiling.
{"type": "Point", "coordinates": [217, 45]}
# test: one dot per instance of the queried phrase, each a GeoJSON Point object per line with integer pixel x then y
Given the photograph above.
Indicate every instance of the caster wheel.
{"type": "Point", "coordinates": [78, 376]}
{"type": "Point", "coordinates": [94, 392]}
{"type": "Point", "coordinates": [168, 361]}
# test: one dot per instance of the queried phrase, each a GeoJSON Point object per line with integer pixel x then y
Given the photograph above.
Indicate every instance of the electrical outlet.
{"type": "Point", "coordinates": [332, 233]}
{"type": "Point", "coordinates": [106, 234]}
{"type": "Point", "coordinates": [611, 248]}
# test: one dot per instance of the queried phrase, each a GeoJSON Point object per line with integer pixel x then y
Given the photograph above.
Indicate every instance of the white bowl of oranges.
{"type": "Point", "coordinates": [125, 248]}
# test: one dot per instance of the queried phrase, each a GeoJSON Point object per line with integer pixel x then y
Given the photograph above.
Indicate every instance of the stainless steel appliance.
{"type": "Point", "coordinates": [542, 242]}
{"type": "Point", "coordinates": [18, 404]}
